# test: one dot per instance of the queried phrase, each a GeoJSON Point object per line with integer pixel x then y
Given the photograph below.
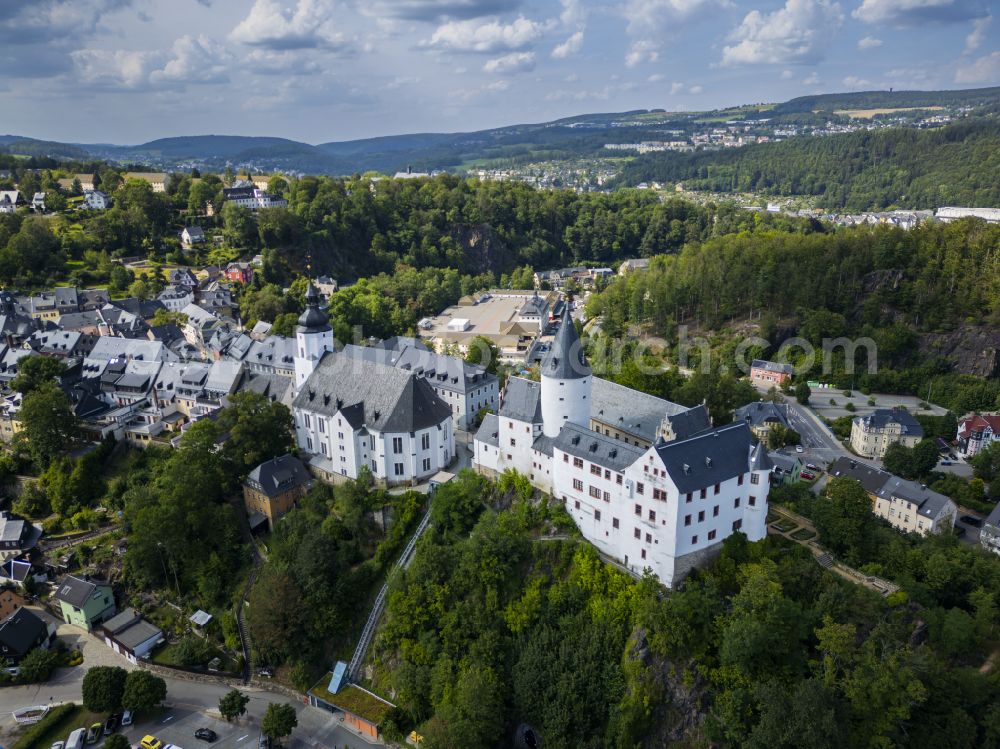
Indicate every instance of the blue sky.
{"type": "Point", "coordinates": [128, 71]}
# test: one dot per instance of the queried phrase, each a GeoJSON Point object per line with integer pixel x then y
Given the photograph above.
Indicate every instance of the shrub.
{"type": "Point", "coordinates": [847, 393]}
{"type": "Point", "coordinates": [850, 407]}
{"type": "Point", "coordinates": [871, 401]}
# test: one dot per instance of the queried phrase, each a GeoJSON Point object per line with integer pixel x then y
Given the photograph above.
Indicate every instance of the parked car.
{"type": "Point", "coordinates": [263, 742]}
{"type": "Point", "coordinates": [799, 449]}
{"type": "Point", "coordinates": [58, 745]}
{"type": "Point", "coordinates": [94, 733]}
{"type": "Point", "coordinates": [807, 475]}
{"type": "Point", "coordinates": [206, 734]}
{"type": "Point", "coordinates": [813, 467]}
{"type": "Point", "coordinates": [971, 520]}
{"type": "Point", "coordinates": [127, 718]}
{"type": "Point", "coordinates": [112, 723]}
{"type": "Point", "coordinates": [76, 739]}
{"type": "Point", "coordinates": [150, 742]}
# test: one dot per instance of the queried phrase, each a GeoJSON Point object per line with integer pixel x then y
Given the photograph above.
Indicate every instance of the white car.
{"type": "Point", "coordinates": [58, 745]}
{"type": "Point", "coordinates": [127, 718]}
{"type": "Point", "coordinates": [799, 449]}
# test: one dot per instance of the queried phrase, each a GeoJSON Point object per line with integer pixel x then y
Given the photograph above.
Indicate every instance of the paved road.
{"type": "Point", "coordinates": [189, 705]}
{"type": "Point", "coordinates": [821, 446]}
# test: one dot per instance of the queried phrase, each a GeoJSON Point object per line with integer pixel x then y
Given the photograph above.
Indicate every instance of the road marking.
{"type": "Point", "coordinates": [242, 737]}
{"type": "Point", "coordinates": [168, 718]}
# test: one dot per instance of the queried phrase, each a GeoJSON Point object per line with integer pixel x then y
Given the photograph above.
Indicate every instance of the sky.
{"type": "Point", "coordinates": [129, 71]}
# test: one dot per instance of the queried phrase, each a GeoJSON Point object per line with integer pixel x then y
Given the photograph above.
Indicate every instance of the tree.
{"type": "Point", "coordinates": [38, 665]}
{"type": "Point", "coordinates": [49, 424]}
{"type": "Point", "coordinates": [103, 688]}
{"type": "Point", "coordinates": [483, 351]}
{"type": "Point", "coordinates": [233, 704]}
{"type": "Point", "coordinates": [164, 316]}
{"type": "Point", "coordinates": [802, 393]}
{"type": "Point", "coordinates": [259, 429]}
{"type": "Point", "coordinates": [32, 371]}
{"type": "Point", "coordinates": [843, 519]}
{"type": "Point", "coordinates": [117, 741]}
{"type": "Point", "coordinates": [278, 721]}
{"type": "Point", "coordinates": [143, 691]}
{"type": "Point", "coordinates": [240, 229]}
{"type": "Point", "coordinates": [986, 464]}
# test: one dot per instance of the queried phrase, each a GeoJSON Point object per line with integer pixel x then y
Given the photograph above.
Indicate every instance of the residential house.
{"type": "Point", "coordinates": [131, 636]}
{"type": "Point", "coordinates": [252, 198]}
{"type": "Point", "coordinates": [273, 488]}
{"type": "Point", "coordinates": [989, 535]}
{"type": "Point", "coordinates": [96, 200]}
{"type": "Point", "coordinates": [239, 272]}
{"type": "Point", "coordinates": [183, 277]}
{"type": "Point", "coordinates": [872, 434]}
{"type": "Point", "coordinates": [769, 373]}
{"type": "Point", "coordinates": [84, 602]}
{"type": "Point", "coordinates": [20, 633]}
{"type": "Point", "coordinates": [192, 235]}
{"type": "Point", "coordinates": [976, 432]}
{"type": "Point", "coordinates": [325, 286]}
{"type": "Point", "coordinates": [913, 508]}
{"type": "Point", "coordinates": [787, 467]}
{"type": "Point", "coordinates": [158, 180]}
{"type": "Point", "coordinates": [176, 298]}
{"type": "Point", "coordinates": [38, 202]}
{"type": "Point", "coordinates": [16, 536]}
{"type": "Point", "coordinates": [762, 417]}
{"type": "Point", "coordinates": [628, 266]}
{"type": "Point", "coordinates": [10, 201]}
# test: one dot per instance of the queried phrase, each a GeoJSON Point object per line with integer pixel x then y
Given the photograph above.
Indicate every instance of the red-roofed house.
{"type": "Point", "coordinates": [976, 432]}
{"type": "Point", "coordinates": [239, 272]}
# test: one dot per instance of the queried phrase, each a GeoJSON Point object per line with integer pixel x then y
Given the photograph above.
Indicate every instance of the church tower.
{"type": "Point", "coordinates": [313, 338]}
{"type": "Point", "coordinates": [566, 378]}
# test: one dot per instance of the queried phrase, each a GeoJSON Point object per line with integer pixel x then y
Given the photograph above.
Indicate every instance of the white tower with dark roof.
{"type": "Point", "coordinates": [313, 338]}
{"type": "Point", "coordinates": [566, 379]}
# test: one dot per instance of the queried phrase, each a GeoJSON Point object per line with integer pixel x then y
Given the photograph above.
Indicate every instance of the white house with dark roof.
{"type": "Point", "coordinates": [646, 500]}
{"type": "Point", "coordinates": [352, 414]}
{"type": "Point", "coordinates": [872, 434]}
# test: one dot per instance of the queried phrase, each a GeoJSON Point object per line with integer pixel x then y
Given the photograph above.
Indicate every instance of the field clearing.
{"type": "Point", "coordinates": [867, 114]}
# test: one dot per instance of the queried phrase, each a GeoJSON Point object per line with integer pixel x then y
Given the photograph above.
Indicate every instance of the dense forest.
{"type": "Point", "coordinates": [491, 629]}
{"type": "Point", "coordinates": [865, 170]}
{"type": "Point", "coordinates": [897, 287]}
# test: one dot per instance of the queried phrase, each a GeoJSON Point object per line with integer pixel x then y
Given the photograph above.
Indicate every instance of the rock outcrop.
{"type": "Point", "coordinates": [971, 349]}
{"type": "Point", "coordinates": [482, 249]}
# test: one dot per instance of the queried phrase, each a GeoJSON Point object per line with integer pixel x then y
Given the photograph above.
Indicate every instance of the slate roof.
{"type": "Point", "coordinates": [690, 422]}
{"type": "Point", "coordinates": [710, 457]}
{"type": "Point", "coordinates": [274, 386]}
{"type": "Point", "coordinates": [871, 478]}
{"type": "Point", "coordinates": [630, 410]}
{"type": "Point", "coordinates": [489, 430]}
{"type": "Point", "coordinates": [21, 630]}
{"type": "Point", "coordinates": [11, 529]}
{"type": "Point", "coordinates": [522, 400]}
{"type": "Point", "coordinates": [75, 590]}
{"type": "Point", "coordinates": [771, 366]}
{"type": "Point", "coordinates": [279, 475]}
{"type": "Point", "coordinates": [565, 359]}
{"type": "Point", "coordinates": [763, 413]}
{"type": "Point", "coordinates": [442, 371]}
{"type": "Point", "coordinates": [882, 417]}
{"type": "Point", "coordinates": [993, 519]}
{"type": "Point", "coordinates": [597, 448]}
{"type": "Point", "coordinates": [313, 319]}
{"type": "Point", "coordinates": [392, 400]}
{"type": "Point", "coordinates": [929, 502]}
{"type": "Point", "coordinates": [273, 351]}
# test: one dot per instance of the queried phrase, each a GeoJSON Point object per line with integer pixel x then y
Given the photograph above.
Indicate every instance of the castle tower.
{"type": "Point", "coordinates": [566, 378]}
{"type": "Point", "coordinates": [313, 338]}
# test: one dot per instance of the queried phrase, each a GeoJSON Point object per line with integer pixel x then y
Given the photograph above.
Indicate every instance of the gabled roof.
{"type": "Point", "coordinates": [489, 430]}
{"type": "Point", "coordinates": [929, 502]}
{"type": "Point", "coordinates": [763, 413]}
{"type": "Point", "coordinates": [21, 630]}
{"type": "Point", "coordinates": [279, 475]}
{"type": "Point", "coordinates": [76, 591]}
{"type": "Point", "coordinates": [392, 400]}
{"type": "Point", "coordinates": [565, 359]}
{"type": "Point", "coordinates": [630, 410]}
{"type": "Point", "coordinates": [522, 400]}
{"type": "Point", "coordinates": [596, 448]}
{"type": "Point", "coordinates": [689, 422]}
{"type": "Point", "coordinates": [772, 366]}
{"type": "Point", "coordinates": [871, 478]}
{"type": "Point", "coordinates": [710, 457]}
{"type": "Point", "coordinates": [882, 417]}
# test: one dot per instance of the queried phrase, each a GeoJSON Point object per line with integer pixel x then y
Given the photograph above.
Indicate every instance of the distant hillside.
{"type": "Point", "coordinates": [220, 146]}
{"type": "Point", "coordinates": [871, 169]}
{"type": "Point", "coordinates": [976, 97]}
{"type": "Point", "coordinates": [21, 146]}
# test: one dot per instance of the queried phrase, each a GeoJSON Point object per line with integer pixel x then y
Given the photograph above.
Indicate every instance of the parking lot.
{"type": "Point", "coordinates": [177, 725]}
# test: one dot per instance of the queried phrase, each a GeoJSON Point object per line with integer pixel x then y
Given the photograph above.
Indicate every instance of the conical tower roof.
{"type": "Point", "coordinates": [565, 359]}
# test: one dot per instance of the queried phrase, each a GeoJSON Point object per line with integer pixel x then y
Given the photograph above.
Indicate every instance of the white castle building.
{"type": "Point", "coordinates": [650, 483]}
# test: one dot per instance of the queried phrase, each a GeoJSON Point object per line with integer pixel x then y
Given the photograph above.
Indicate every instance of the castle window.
{"type": "Point", "coordinates": [754, 478]}
{"type": "Point", "coordinates": [711, 535]}
{"type": "Point", "coordinates": [614, 522]}
{"type": "Point", "coordinates": [753, 501]}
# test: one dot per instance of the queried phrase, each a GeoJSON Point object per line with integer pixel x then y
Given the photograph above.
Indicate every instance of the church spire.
{"type": "Point", "coordinates": [565, 359]}
{"type": "Point", "coordinates": [313, 320]}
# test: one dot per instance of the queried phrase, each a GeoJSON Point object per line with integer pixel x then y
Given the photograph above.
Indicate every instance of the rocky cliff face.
{"type": "Point", "coordinates": [482, 249]}
{"type": "Point", "coordinates": [971, 349]}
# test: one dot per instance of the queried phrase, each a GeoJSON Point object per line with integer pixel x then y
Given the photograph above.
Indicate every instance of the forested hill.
{"type": "Point", "coordinates": [889, 99]}
{"type": "Point", "coordinates": [865, 170]}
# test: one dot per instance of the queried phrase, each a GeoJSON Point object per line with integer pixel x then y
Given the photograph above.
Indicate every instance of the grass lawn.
{"type": "Point", "coordinates": [57, 726]}
{"type": "Point", "coordinates": [803, 534]}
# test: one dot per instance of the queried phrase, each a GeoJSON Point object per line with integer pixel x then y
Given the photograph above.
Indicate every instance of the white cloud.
{"type": "Point", "coordinates": [811, 80]}
{"type": "Point", "coordinates": [640, 52]}
{"type": "Point", "coordinates": [695, 90]}
{"type": "Point", "coordinates": [650, 22]}
{"type": "Point", "coordinates": [309, 25]}
{"type": "Point", "coordinates": [52, 20]}
{"type": "Point", "coordinates": [676, 88]}
{"type": "Point", "coordinates": [787, 75]}
{"type": "Point", "coordinates": [869, 42]}
{"type": "Point", "coordinates": [515, 62]}
{"type": "Point", "coordinates": [193, 60]}
{"type": "Point", "coordinates": [570, 47]}
{"type": "Point", "coordinates": [855, 83]}
{"type": "Point", "coordinates": [979, 28]}
{"type": "Point", "coordinates": [795, 33]}
{"type": "Point", "coordinates": [489, 36]}
{"type": "Point", "coordinates": [916, 12]}
{"type": "Point", "coordinates": [986, 69]}
{"type": "Point", "coordinates": [286, 62]}
{"type": "Point", "coordinates": [120, 68]}
{"type": "Point", "coordinates": [436, 10]}
{"type": "Point", "coordinates": [655, 78]}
